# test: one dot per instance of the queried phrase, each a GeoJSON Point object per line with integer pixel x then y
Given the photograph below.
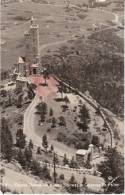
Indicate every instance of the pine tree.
{"type": "Point", "coordinates": [84, 183]}
{"type": "Point", "coordinates": [45, 173]}
{"type": "Point", "coordinates": [84, 114]}
{"type": "Point", "coordinates": [36, 169]}
{"type": "Point", "coordinates": [53, 122]}
{"type": "Point", "coordinates": [73, 163]}
{"type": "Point", "coordinates": [42, 116]}
{"type": "Point", "coordinates": [38, 150]}
{"type": "Point", "coordinates": [9, 100]}
{"type": "Point", "coordinates": [62, 177]}
{"type": "Point", "coordinates": [6, 141]}
{"type": "Point", "coordinates": [20, 139]}
{"type": "Point", "coordinates": [73, 186]}
{"type": "Point", "coordinates": [21, 158]}
{"type": "Point", "coordinates": [72, 180]}
{"type": "Point", "coordinates": [113, 167]}
{"type": "Point", "coordinates": [56, 159]}
{"type": "Point", "coordinates": [42, 108]}
{"type": "Point", "coordinates": [45, 75]}
{"type": "Point", "coordinates": [65, 160]}
{"type": "Point", "coordinates": [52, 148]}
{"type": "Point", "coordinates": [51, 112]}
{"type": "Point", "coordinates": [28, 154]}
{"type": "Point", "coordinates": [45, 142]}
{"type": "Point", "coordinates": [62, 121]}
{"type": "Point", "coordinates": [30, 144]}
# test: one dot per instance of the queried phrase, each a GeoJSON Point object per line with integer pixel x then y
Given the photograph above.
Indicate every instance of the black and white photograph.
{"type": "Point", "coordinates": [62, 97]}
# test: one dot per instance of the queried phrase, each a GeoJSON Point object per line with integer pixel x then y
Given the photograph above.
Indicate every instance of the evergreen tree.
{"type": "Point", "coordinates": [6, 140]}
{"type": "Point", "coordinates": [38, 150]}
{"type": "Point", "coordinates": [28, 154]}
{"type": "Point", "coordinates": [65, 160]}
{"type": "Point", "coordinates": [42, 116]}
{"type": "Point", "coordinates": [51, 112]}
{"type": "Point", "coordinates": [62, 177]}
{"type": "Point", "coordinates": [73, 163]}
{"type": "Point", "coordinates": [9, 100]}
{"type": "Point", "coordinates": [36, 169]}
{"type": "Point", "coordinates": [45, 173]}
{"type": "Point", "coordinates": [30, 144]}
{"type": "Point", "coordinates": [84, 183]}
{"type": "Point", "coordinates": [73, 186]}
{"type": "Point", "coordinates": [56, 159]}
{"type": "Point", "coordinates": [19, 101]}
{"type": "Point", "coordinates": [113, 167]}
{"type": "Point", "coordinates": [52, 148]}
{"type": "Point", "coordinates": [42, 108]}
{"type": "Point", "coordinates": [62, 121]}
{"type": "Point", "coordinates": [84, 114]}
{"type": "Point", "coordinates": [53, 122]}
{"type": "Point", "coordinates": [20, 139]}
{"type": "Point", "coordinates": [21, 158]}
{"type": "Point", "coordinates": [45, 142]}
{"type": "Point", "coordinates": [45, 75]}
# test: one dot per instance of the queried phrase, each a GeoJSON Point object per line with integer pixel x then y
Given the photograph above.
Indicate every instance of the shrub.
{"type": "Point", "coordinates": [45, 173]}
{"type": "Point", "coordinates": [61, 137]}
{"type": "Point", "coordinates": [95, 140]}
{"type": "Point", "coordinates": [61, 177]}
{"type": "Point", "coordinates": [38, 150]}
{"type": "Point", "coordinates": [62, 121]}
{"type": "Point", "coordinates": [36, 168]}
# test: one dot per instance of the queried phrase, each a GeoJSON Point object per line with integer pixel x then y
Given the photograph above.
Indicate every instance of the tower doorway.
{"type": "Point", "coordinates": [34, 70]}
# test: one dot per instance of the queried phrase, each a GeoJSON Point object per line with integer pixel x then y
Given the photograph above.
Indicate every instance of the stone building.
{"type": "Point", "coordinates": [83, 155]}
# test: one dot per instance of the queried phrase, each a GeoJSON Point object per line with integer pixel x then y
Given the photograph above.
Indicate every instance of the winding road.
{"type": "Point", "coordinates": [29, 116]}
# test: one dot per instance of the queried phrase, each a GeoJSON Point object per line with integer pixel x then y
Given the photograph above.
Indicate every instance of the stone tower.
{"type": "Point", "coordinates": [32, 44]}
{"type": "Point", "coordinates": [90, 150]}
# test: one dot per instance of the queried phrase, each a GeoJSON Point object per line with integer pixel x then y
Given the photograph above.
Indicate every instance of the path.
{"type": "Point", "coordinates": [31, 120]}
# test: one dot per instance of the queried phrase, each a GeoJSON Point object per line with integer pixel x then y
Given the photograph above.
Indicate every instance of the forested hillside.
{"type": "Point", "coordinates": [94, 64]}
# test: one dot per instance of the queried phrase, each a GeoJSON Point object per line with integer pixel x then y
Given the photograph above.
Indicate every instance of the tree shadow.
{"type": "Point", "coordinates": [59, 99]}
{"type": "Point", "coordinates": [43, 84]}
